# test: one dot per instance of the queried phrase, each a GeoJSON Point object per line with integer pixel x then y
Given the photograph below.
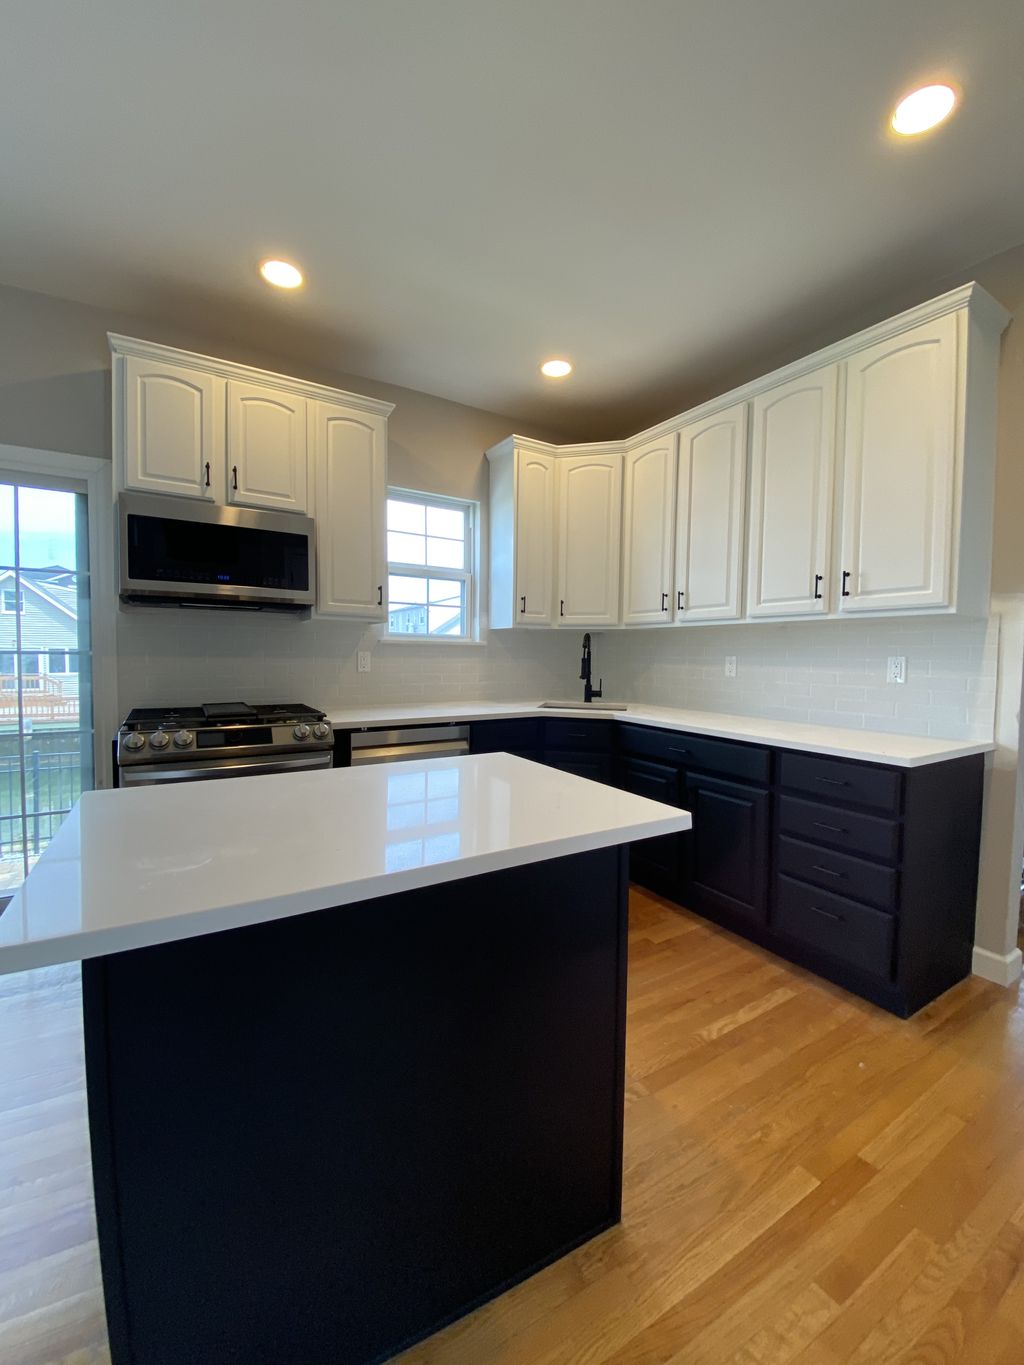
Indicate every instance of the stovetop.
{"type": "Point", "coordinates": [213, 714]}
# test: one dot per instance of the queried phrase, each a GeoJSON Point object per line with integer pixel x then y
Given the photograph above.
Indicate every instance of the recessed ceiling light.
{"type": "Point", "coordinates": [282, 273]}
{"type": "Point", "coordinates": [556, 369]}
{"type": "Point", "coordinates": [923, 109]}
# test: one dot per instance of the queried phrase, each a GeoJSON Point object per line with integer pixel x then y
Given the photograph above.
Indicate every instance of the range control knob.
{"type": "Point", "coordinates": [135, 741]}
{"type": "Point", "coordinates": [159, 739]}
{"type": "Point", "coordinates": [184, 739]}
{"type": "Point", "coordinates": [301, 732]}
{"type": "Point", "coordinates": [321, 730]}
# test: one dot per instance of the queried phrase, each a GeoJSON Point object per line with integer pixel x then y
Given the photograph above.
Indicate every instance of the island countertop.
{"type": "Point", "coordinates": [131, 868]}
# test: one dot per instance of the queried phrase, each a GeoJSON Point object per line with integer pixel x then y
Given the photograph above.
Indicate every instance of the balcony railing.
{"type": "Point", "coordinates": [53, 783]}
{"type": "Point", "coordinates": [42, 698]}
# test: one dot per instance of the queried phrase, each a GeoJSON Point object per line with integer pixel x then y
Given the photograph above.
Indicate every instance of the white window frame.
{"type": "Point", "coordinates": [97, 475]}
{"type": "Point", "coordinates": [19, 602]}
{"type": "Point", "coordinates": [466, 575]}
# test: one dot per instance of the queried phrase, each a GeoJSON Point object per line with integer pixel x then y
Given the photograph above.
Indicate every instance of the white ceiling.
{"type": "Point", "coordinates": [654, 188]}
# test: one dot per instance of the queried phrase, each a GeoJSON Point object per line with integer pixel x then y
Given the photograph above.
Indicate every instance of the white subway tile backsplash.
{"type": "Point", "coordinates": [822, 672]}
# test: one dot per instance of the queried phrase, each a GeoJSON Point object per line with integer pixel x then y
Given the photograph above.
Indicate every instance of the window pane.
{"type": "Point", "coordinates": [56, 661]}
{"type": "Point", "coordinates": [445, 621]}
{"type": "Point", "coordinates": [406, 516]}
{"type": "Point", "coordinates": [46, 529]}
{"type": "Point", "coordinates": [446, 554]}
{"type": "Point", "coordinates": [446, 521]}
{"type": "Point", "coordinates": [402, 588]}
{"type": "Point", "coordinates": [448, 590]}
{"type": "Point", "coordinates": [6, 525]}
{"type": "Point", "coordinates": [406, 549]}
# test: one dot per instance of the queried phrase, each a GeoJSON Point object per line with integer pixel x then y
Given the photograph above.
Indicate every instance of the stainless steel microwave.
{"type": "Point", "coordinates": [176, 552]}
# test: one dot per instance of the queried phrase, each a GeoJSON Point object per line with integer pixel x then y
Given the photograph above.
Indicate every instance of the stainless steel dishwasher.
{"type": "Point", "coordinates": [399, 746]}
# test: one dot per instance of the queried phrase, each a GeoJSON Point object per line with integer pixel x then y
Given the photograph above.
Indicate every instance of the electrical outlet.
{"type": "Point", "coordinates": [730, 665]}
{"type": "Point", "coordinates": [363, 661]}
{"type": "Point", "coordinates": [896, 669]}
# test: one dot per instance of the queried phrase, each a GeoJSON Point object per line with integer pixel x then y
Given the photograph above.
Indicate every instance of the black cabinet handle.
{"type": "Point", "coordinates": [828, 871]}
{"type": "Point", "coordinates": [846, 579]}
{"type": "Point", "coordinates": [523, 601]}
{"type": "Point", "coordinates": [664, 601]}
{"type": "Point", "coordinates": [561, 607]}
{"type": "Point", "coordinates": [207, 473]}
{"type": "Point", "coordinates": [832, 829]}
{"type": "Point", "coordinates": [817, 587]}
{"type": "Point", "coordinates": [234, 476]}
{"type": "Point", "coordinates": [380, 594]}
{"type": "Point", "coordinates": [834, 781]}
{"type": "Point", "coordinates": [828, 914]}
{"type": "Point", "coordinates": [674, 750]}
{"type": "Point", "coordinates": [679, 600]}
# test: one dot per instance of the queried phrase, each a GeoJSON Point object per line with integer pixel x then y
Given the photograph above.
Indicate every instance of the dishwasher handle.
{"type": "Point", "coordinates": [401, 753]}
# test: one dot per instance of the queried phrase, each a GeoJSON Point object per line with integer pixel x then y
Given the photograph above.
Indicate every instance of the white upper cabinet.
{"type": "Point", "coordinates": [792, 463]}
{"type": "Point", "coordinates": [350, 451]}
{"type": "Point", "coordinates": [173, 428]}
{"type": "Point", "coordinates": [534, 538]}
{"type": "Point", "coordinates": [900, 471]}
{"type": "Point", "coordinates": [267, 448]}
{"type": "Point", "coordinates": [589, 529]}
{"type": "Point", "coordinates": [648, 509]}
{"type": "Point", "coordinates": [522, 536]}
{"type": "Point", "coordinates": [710, 506]}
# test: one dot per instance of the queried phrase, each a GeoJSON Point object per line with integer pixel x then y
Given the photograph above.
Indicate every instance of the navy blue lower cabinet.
{"type": "Point", "coordinates": [655, 863]}
{"type": "Point", "coordinates": [729, 862]}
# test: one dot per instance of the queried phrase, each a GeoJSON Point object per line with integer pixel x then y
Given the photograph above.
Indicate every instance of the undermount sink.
{"type": "Point", "coordinates": [583, 706]}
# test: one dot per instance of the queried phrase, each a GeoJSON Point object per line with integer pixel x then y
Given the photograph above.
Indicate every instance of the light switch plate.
{"type": "Point", "coordinates": [896, 669]}
{"type": "Point", "coordinates": [363, 661]}
{"type": "Point", "coordinates": [730, 665]}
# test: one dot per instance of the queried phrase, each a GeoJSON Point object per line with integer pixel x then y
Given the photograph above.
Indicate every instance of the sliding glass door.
{"type": "Point", "coordinates": [46, 746]}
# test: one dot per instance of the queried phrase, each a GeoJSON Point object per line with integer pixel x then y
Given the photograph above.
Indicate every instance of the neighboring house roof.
{"type": "Point", "coordinates": [50, 618]}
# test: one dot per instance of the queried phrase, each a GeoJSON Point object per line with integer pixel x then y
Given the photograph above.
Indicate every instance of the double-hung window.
{"type": "Point", "coordinates": [430, 566]}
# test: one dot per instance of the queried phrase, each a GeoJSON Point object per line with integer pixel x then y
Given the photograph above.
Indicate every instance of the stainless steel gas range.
{"type": "Point", "coordinates": [221, 739]}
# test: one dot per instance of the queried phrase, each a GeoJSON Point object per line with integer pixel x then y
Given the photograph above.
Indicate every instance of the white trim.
{"type": "Point", "coordinates": [229, 369]}
{"type": "Point", "coordinates": [1002, 968]}
{"type": "Point", "coordinates": [98, 478]}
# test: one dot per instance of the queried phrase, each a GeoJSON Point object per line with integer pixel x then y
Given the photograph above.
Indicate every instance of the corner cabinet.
{"type": "Point", "coordinates": [197, 427]}
{"type": "Point", "coordinates": [589, 529]}
{"type": "Point", "coordinates": [710, 506]}
{"type": "Point", "coordinates": [522, 535]}
{"type": "Point", "coordinates": [350, 456]}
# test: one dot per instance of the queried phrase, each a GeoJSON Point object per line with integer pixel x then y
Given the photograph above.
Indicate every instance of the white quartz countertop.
{"type": "Point", "coordinates": [145, 865]}
{"type": "Point", "coordinates": [871, 746]}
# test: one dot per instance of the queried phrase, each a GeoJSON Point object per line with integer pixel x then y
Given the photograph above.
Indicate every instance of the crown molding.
{"type": "Point", "coordinates": [228, 369]}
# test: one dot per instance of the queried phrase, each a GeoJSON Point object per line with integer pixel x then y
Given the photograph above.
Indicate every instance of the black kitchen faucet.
{"type": "Point", "coordinates": [589, 692]}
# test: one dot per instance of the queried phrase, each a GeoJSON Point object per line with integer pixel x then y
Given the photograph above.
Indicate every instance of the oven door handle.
{"type": "Point", "coordinates": [240, 767]}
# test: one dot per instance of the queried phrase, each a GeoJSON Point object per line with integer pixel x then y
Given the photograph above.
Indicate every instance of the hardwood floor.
{"type": "Point", "coordinates": [809, 1181]}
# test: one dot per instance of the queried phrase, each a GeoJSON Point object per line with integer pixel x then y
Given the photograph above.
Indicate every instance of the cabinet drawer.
{"type": "Point", "coordinates": [842, 829]}
{"type": "Point", "coordinates": [850, 933]}
{"type": "Point", "coordinates": [577, 734]}
{"type": "Point", "coordinates": [582, 762]}
{"type": "Point", "coordinates": [745, 761]}
{"type": "Point", "coordinates": [853, 784]}
{"type": "Point", "coordinates": [504, 736]}
{"type": "Point", "coordinates": [838, 872]}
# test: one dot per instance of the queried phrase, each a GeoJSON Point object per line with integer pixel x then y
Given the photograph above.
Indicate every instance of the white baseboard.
{"type": "Point", "coordinates": [1002, 968]}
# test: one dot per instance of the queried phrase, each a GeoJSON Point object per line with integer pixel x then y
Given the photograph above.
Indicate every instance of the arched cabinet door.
{"type": "Point", "coordinates": [534, 541]}
{"type": "Point", "coordinates": [899, 476]}
{"type": "Point", "coordinates": [792, 464]}
{"type": "Point", "coordinates": [351, 506]}
{"type": "Point", "coordinates": [710, 506]}
{"type": "Point", "coordinates": [173, 429]}
{"type": "Point", "coordinates": [648, 508]}
{"type": "Point", "coordinates": [589, 532]}
{"type": "Point", "coordinates": [268, 462]}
